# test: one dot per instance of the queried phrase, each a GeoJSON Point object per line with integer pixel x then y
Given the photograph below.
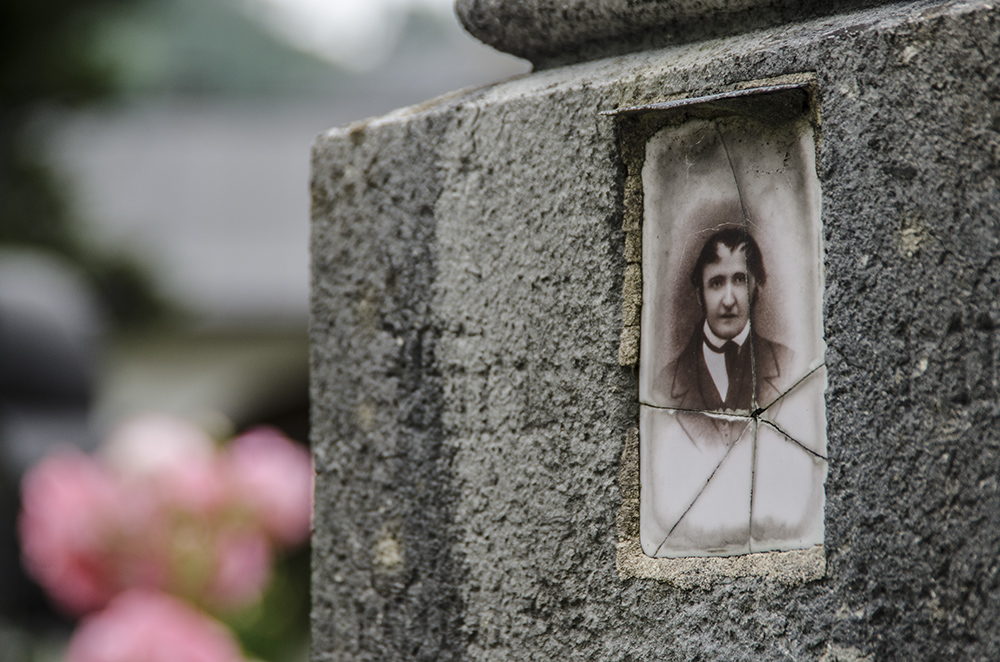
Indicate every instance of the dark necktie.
{"type": "Point", "coordinates": [732, 352]}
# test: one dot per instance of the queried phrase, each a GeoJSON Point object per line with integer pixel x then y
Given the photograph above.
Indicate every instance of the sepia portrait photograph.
{"type": "Point", "coordinates": [731, 375]}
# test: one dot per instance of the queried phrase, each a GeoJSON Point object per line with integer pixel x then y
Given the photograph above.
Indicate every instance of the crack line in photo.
{"type": "Point", "coordinates": [791, 388]}
{"type": "Point", "coordinates": [733, 414]}
{"type": "Point", "coordinates": [753, 483]}
{"type": "Point", "coordinates": [730, 414]}
{"type": "Point", "coordinates": [794, 440]}
{"type": "Point", "coordinates": [736, 180]}
{"type": "Point", "coordinates": [703, 487]}
{"type": "Point", "coordinates": [749, 286]}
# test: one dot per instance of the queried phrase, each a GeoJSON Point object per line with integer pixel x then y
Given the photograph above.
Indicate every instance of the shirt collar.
{"type": "Point", "coordinates": [739, 338]}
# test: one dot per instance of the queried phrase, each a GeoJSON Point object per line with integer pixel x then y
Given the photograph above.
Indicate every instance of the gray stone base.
{"type": "Point", "coordinates": [469, 408]}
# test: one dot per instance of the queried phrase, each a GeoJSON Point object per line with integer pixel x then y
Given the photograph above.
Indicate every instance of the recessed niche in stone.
{"type": "Point", "coordinates": [732, 430]}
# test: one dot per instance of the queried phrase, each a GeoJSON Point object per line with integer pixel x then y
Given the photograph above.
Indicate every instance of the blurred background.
{"type": "Point", "coordinates": [154, 165]}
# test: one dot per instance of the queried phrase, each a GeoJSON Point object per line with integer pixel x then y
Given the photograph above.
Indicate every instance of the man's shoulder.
{"type": "Point", "coordinates": [773, 363]}
{"type": "Point", "coordinates": [679, 377]}
{"type": "Point", "coordinates": [771, 352]}
{"type": "Point", "coordinates": [691, 350]}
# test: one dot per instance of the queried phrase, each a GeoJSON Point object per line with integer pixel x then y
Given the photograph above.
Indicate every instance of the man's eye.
{"type": "Point", "coordinates": [740, 278]}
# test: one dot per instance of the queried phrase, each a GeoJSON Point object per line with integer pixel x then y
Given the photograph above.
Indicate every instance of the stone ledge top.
{"type": "Point", "coordinates": [555, 32]}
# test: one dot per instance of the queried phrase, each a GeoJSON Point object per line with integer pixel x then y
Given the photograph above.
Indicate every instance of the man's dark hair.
{"type": "Point", "coordinates": [731, 238]}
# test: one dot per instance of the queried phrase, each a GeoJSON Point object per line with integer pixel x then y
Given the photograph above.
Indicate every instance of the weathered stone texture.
{"type": "Point", "coordinates": [470, 412]}
{"type": "Point", "coordinates": [550, 32]}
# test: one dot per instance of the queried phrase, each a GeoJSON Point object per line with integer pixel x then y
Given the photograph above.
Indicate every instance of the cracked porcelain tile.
{"type": "Point", "coordinates": [801, 412]}
{"type": "Point", "coordinates": [696, 481]}
{"type": "Point", "coordinates": [732, 324]}
{"type": "Point", "coordinates": [786, 510]}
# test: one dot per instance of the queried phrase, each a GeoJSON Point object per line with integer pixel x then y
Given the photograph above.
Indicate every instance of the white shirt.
{"type": "Point", "coordinates": [716, 361]}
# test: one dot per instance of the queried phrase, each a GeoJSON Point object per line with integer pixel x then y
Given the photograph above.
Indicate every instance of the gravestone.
{"type": "Point", "coordinates": [682, 347]}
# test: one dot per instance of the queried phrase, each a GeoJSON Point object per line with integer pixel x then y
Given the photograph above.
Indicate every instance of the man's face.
{"type": "Point", "coordinates": [725, 292]}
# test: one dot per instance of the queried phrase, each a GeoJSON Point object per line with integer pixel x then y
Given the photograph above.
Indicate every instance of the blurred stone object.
{"type": "Point", "coordinates": [50, 325]}
{"type": "Point", "coordinates": [550, 32]}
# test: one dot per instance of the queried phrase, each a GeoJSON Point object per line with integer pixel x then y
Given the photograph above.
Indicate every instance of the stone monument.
{"type": "Point", "coordinates": [685, 346]}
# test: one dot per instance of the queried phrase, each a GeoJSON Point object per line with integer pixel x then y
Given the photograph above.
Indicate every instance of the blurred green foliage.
{"type": "Point", "coordinates": [65, 54]}
{"type": "Point", "coordinates": [45, 53]}
{"type": "Point", "coordinates": [277, 628]}
{"type": "Point", "coordinates": [205, 48]}
{"type": "Point", "coordinates": [47, 60]}
{"type": "Point", "coordinates": [57, 54]}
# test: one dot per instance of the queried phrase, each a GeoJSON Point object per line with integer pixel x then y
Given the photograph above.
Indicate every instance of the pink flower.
{"type": "Point", "coordinates": [273, 475]}
{"type": "Point", "coordinates": [153, 444]}
{"type": "Point", "coordinates": [167, 458]}
{"type": "Point", "coordinates": [146, 626]}
{"type": "Point", "coordinates": [168, 511]}
{"type": "Point", "coordinates": [198, 488]}
{"type": "Point", "coordinates": [70, 506]}
{"type": "Point", "coordinates": [242, 569]}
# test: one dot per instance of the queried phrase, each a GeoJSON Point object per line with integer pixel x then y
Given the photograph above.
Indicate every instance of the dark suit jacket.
{"type": "Point", "coordinates": [689, 384]}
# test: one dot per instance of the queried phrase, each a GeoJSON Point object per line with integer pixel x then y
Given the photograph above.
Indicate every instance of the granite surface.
{"type": "Point", "coordinates": [551, 32]}
{"type": "Point", "coordinates": [470, 411]}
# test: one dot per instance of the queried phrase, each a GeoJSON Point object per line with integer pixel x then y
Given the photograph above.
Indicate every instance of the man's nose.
{"type": "Point", "coordinates": [729, 296]}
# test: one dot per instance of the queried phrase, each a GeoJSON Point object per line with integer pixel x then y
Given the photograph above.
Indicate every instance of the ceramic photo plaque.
{"type": "Point", "coordinates": [732, 432]}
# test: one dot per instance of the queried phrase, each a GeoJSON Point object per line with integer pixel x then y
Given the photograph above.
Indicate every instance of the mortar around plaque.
{"type": "Point", "coordinates": [732, 432]}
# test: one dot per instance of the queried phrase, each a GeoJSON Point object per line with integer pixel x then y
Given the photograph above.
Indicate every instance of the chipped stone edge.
{"type": "Point", "coordinates": [633, 156]}
{"type": "Point", "coordinates": [789, 568]}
